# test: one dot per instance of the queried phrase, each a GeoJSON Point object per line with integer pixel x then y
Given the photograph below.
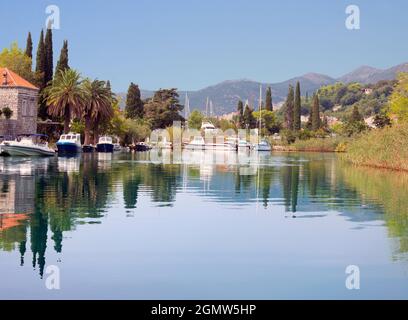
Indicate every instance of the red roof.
{"type": "Point", "coordinates": [10, 79]}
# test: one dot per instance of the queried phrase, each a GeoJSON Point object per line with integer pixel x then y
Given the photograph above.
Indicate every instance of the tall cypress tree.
{"type": "Point", "coordinates": [29, 46]}
{"type": "Point", "coordinates": [249, 120]}
{"type": "Point", "coordinates": [297, 109]}
{"type": "Point", "coordinates": [316, 122]}
{"type": "Point", "coordinates": [355, 115]}
{"type": "Point", "coordinates": [268, 99]}
{"type": "Point", "coordinates": [289, 108]}
{"type": "Point", "coordinates": [49, 64]}
{"type": "Point", "coordinates": [134, 104]}
{"type": "Point", "coordinates": [240, 109]}
{"type": "Point", "coordinates": [40, 62]}
{"type": "Point", "coordinates": [62, 63]}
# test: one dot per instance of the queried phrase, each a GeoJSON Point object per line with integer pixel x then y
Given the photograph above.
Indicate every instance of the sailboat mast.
{"type": "Point", "coordinates": [187, 107]}
{"type": "Point", "coordinates": [260, 109]}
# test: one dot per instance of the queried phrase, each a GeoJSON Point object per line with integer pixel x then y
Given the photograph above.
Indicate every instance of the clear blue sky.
{"type": "Point", "coordinates": [190, 44]}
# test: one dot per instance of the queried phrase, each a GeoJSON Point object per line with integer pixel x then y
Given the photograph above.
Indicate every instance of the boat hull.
{"type": "Point", "coordinates": [23, 151]}
{"type": "Point", "coordinates": [88, 149]}
{"type": "Point", "coordinates": [142, 148]}
{"type": "Point", "coordinates": [104, 147]}
{"type": "Point", "coordinates": [65, 148]}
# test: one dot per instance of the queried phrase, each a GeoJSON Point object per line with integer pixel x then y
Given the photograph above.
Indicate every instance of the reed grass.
{"type": "Point", "coordinates": [383, 148]}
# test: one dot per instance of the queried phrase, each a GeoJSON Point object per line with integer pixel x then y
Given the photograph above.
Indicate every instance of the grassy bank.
{"type": "Point", "coordinates": [385, 148]}
{"type": "Point", "coordinates": [333, 144]}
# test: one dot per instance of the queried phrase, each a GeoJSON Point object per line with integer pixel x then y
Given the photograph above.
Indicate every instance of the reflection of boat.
{"type": "Point", "coordinates": [69, 144]}
{"type": "Point", "coordinates": [142, 147]}
{"type": "Point", "coordinates": [28, 145]}
{"type": "Point", "coordinates": [69, 164]}
{"type": "Point", "coordinates": [105, 144]}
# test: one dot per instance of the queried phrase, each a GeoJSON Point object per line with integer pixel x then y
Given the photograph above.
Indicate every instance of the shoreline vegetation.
{"type": "Point", "coordinates": [366, 123]}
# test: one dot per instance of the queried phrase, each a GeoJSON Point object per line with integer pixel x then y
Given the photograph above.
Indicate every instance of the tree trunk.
{"type": "Point", "coordinates": [67, 119]}
{"type": "Point", "coordinates": [87, 141]}
{"type": "Point", "coordinates": [96, 132]}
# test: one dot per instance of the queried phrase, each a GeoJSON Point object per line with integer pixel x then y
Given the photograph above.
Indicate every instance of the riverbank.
{"type": "Point", "coordinates": [384, 148]}
{"type": "Point", "coordinates": [332, 144]}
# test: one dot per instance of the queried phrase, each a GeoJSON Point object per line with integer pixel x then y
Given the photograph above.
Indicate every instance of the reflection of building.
{"type": "Point", "coordinates": [8, 221]}
{"type": "Point", "coordinates": [21, 97]}
{"type": "Point", "coordinates": [16, 194]}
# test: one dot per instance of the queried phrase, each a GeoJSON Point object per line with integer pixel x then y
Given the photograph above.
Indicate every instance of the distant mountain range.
{"type": "Point", "coordinates": [225, 95]}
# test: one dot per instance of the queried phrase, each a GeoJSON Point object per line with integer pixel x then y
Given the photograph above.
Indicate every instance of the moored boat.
{"type": "Point", "coordinates": [69, 144]}
{"type": "Point", "coordinates": [105, 144]}
{"type": "Point", "coordinates": [263, 145]}
{"type": "Point", "coordinates": [88, 148]}
{"type": "Point", "coordinates": [142, 147]}
{"type": "Point", "coordinates": [27, 145]}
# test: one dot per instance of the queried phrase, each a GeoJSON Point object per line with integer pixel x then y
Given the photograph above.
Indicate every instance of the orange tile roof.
{"type": "Point", "coordinates": [14, 80]}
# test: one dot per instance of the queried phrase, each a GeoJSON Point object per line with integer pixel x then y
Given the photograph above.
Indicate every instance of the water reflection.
{"type": "Point", "coordinates": [41, 198]}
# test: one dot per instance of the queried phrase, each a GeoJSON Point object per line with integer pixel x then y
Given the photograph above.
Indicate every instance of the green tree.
{"type": "Point", "coordinates": [65, 97]}
{"type": "Point", "coordinates": [316, 121]}
{"type": "Point", "coordinates": [289, 109]}
{"type": "Point", "coordinates": [195, 119]}
{"type": "Point", "coordinates": [41, 62]}
{"type": "Point", "coordinates": [355, 123]}
{"type": "Point", "coordinates": [382, 120]}
{"type": "Point", "coordinates": [249, 119]}
{"type": "Point", "coordinates": [163, 108]}
{"type": "Point", "coordinates": [398, 102]}
{"type": "Point", "coordinates": [268, 100]}
{"type": "Point", "coordinates": [16, 60]}
{"type": "Point", "coordinates": [240, 109]}
{"type": "Point", "coordinates": [297, 109]}
{"type": "Point", "coordinates": [356, 115]}
{"type": "Point", "coordinates": [270, 124]}
{"type": "Point", "coordinates": [134, 105]}
{"type": "Point", "coordinates": [49, 64]}
{"type": "Point", "coordinates": [29, 46]}
{"type": "Point", "coordinates": [62, 63]}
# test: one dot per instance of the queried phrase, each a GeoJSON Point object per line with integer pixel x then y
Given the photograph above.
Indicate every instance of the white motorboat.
{"type": "Point", "coordinates": [263, 145]}
{"type": "Point", "coordinates": [243, 144]}
{"type": "Point", "coordinates": [28, 145]}
{"type": "Point", "coordinates": [69, 144]}
{"type": "Point", "coordinates": [105, 144]}
{"type": "Point", "coordinates": [198, 143]}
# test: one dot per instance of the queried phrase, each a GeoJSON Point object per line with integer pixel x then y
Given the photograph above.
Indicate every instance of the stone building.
{"type": "Point", "coordinates": [21, 97]}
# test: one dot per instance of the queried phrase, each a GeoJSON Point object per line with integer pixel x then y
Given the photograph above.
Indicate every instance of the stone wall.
{"type": "Point", "coordinates": [23, 103]}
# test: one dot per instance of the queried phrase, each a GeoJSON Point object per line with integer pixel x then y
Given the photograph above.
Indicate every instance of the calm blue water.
{"type": "Point", "coordinates": [203, 225]}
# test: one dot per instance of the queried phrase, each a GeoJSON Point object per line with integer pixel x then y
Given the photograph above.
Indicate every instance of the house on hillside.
{"type": "Point", "coordinates": [21, 97]}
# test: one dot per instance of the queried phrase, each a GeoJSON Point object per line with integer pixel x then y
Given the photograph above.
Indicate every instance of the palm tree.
{"type": "Point", "coordinates": [65, 96]}
{"type": "Point", "coordinates": [97, 108]}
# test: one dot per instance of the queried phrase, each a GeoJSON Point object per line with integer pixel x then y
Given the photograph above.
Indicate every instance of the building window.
{"type": "Point", "coordinates": [24, 108]}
